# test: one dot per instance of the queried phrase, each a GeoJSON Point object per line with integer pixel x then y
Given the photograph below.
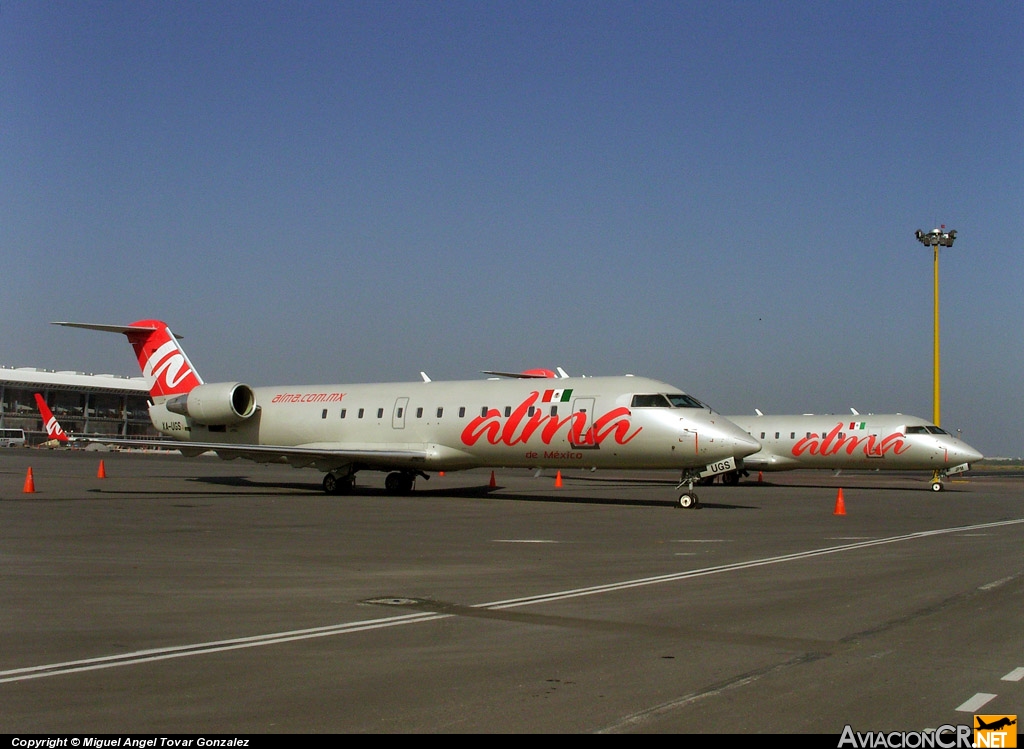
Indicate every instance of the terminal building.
{"type": "Point", "coordinates": [84, 404]}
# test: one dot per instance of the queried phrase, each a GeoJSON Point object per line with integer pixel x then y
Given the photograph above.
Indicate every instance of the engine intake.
{"type": "Point", "coordinates": [216, 403]}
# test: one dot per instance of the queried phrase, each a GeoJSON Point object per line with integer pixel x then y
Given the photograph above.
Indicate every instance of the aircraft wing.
{"type": "Point", "coordinates": [323, 456]}
{"type": "Point", "coordinates": [769, 461]}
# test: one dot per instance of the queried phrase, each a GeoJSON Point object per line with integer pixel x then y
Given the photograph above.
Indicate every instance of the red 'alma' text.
{"type": "Point", "coordinates": [521, 425]}
{"type": "Point", "coordinates": [835, 441]}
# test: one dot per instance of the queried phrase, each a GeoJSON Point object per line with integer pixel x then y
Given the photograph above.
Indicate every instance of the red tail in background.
{"type": "Point", "coordinates": [53, 429]}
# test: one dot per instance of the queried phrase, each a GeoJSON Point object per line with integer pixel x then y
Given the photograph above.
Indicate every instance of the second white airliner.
{"type": "Point", "coordinates": [887, 442]}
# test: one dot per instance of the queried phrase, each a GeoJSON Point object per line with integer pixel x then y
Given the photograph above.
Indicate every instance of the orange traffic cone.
{"type": "Point", "coordinates": [30, 484]}
{"type": "Point", "coordinates": [760, 476]}
{"type": "Point", "coordinates": [840, 504]}
{"type": "Point", "coordinates": [102, 473]}
{"type": "Point", "coordinates": [440, 473]}
{"type": "Point", "coordinates": [493, 482]}
{"type": "Point", "coordinates": [558, 479]}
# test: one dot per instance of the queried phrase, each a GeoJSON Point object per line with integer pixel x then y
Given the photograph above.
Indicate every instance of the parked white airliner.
{"type": "Point", "coordinates": [890, 442]}
{"type": "Point", "coordinates": [410, 428]}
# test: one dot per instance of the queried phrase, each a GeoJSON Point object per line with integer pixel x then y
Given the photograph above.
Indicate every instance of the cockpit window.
{"type": "Point", "coordinates": [682, 400]}
{"type": "Point", "coordinates": [926, 430]}
{"type": "Point", "coordinates": [660, 400]}
{"type": "Point", "coordinates": [653, 400]}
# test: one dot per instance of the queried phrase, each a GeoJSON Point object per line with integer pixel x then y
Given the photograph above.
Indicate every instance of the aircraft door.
{"type": "Point", "coordinates": [398, 416]}
{"type": "Point", "coordinates": [874, 442]}
{"type": "Point", "coordinates": [581, 436]}
{"type": "Point", "coordinates": [688, 436]}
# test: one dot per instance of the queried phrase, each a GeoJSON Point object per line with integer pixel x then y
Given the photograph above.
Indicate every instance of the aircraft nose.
{"type": "Point", "coordinates": [967, 454]}
{"type": "Point", "coordinates": [746, 445]}
{"type": "Point", "coordinates": [742, 443]}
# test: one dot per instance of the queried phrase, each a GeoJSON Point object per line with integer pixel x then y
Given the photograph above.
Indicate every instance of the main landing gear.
{"type": "Point", "coordinates": [399, 483]}
{"type": "Point", "coordinates": [339, 484]}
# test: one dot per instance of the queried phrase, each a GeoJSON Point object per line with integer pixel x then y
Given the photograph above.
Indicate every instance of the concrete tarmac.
{"type": "Point", "coordinates": [223, 597]}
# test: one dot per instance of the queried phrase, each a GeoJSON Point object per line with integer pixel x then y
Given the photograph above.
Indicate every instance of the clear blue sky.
{"type": "Point", "coordinates": [722, 195]}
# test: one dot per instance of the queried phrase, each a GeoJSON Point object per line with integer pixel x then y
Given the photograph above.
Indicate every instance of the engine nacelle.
{"type": "Point", "coordinates": [216, 403]}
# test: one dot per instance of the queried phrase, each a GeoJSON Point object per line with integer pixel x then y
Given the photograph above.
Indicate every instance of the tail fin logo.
{"type": "Point", "coordinates": [164, 364]}
{"type": "Point", "coordinates": [53, 429]}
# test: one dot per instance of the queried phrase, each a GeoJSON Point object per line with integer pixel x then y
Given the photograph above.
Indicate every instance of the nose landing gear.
{"type": "Point", "coordinates": [688, 499]}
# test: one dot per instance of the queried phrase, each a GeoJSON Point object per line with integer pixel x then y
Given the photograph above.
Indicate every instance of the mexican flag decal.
{"type": "Point", "coordinates": [557, 396]}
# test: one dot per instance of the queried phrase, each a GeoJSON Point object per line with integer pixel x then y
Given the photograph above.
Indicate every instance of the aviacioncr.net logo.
{"type": "Point", "coordinates": [943, 737]}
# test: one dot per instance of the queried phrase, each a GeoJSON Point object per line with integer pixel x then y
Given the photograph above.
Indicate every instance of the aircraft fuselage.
{"type": "Point", "coordinates": [588, 422]}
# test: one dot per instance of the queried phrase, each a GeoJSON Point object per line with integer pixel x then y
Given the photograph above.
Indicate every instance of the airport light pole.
{"type": "Point", "coordinates": [936, 238]}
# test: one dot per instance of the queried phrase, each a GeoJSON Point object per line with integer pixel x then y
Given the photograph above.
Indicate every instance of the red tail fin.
{"type": "Point", "coordinates": [53, 430]}
{"type": "Point", "coordinates": [163, 362]}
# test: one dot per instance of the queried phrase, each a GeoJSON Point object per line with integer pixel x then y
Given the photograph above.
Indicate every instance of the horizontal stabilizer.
{"type": "Point", "coordinates": [531, 374]}
{"type": "Point", "coordinates": [124, 329]}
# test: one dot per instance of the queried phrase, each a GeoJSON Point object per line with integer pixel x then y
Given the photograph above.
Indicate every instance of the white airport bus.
{"type": "Point", "coordinates": [12, 437]}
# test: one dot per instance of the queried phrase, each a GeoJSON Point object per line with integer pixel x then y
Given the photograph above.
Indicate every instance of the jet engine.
{"type": "Point", "coordinates": [216, 403]}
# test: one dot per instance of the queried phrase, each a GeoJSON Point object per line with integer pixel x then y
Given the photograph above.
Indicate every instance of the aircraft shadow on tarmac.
{"type": "Point", "coordinates": [483, 491]}
{"type": "Point", "coordinates": [923, 486]}
{"type": "Point", "coordinates": [919, 484]}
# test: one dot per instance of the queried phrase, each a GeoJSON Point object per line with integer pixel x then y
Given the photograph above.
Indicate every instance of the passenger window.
{"type": "Point", "coordinates": [360, 413]}
{"type": "Point", "coordinates": [343, 412]}
{"type": "Point", "coordinates": [323, 415]}
{"type": "Point", "coordinates": [440, 412]}
{"type": "Point", "coordinates": [508, 411]}
{"type": "Point", "coordinates": [380, 413]}
{"type": "Point", "coordinates": [419, 413]}
{"type": "Point", "coordinates": [462, 412]}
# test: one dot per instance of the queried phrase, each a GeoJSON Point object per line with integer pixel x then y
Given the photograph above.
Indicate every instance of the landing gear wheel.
{"type": "Point", "coordinates": [688, 501]}
{"type": "Point", "coordinates": [338, 484]}
{"type": "Point", "coordinates": [937, 486]}
{"type": "Point", "coordinates": [398, 483]}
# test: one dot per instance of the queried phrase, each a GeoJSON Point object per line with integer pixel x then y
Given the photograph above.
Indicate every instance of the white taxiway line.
{"type": "Point", "coordinates": [182, 651]}
{"type": "Point", "coordinates": [972, 705]}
